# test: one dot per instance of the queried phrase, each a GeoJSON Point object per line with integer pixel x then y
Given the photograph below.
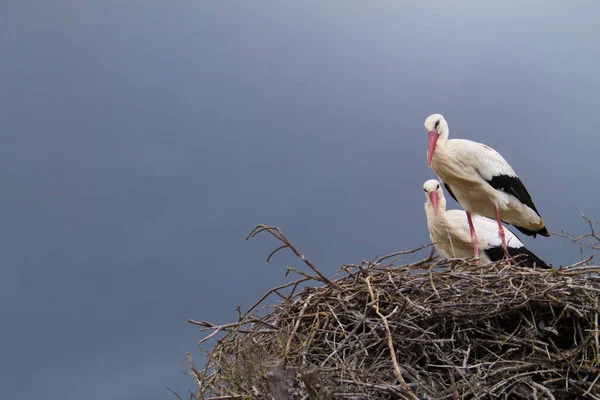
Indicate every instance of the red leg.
{"type": "Point", "coordinates": [501, 233]}
{"type": "Point", "coordinates": [473, 238]}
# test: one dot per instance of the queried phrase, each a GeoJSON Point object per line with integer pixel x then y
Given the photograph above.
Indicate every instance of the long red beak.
{"type": "Point", "coordinates": [434, 200]}
{"type": "Point", "coordinates": [433, 137]}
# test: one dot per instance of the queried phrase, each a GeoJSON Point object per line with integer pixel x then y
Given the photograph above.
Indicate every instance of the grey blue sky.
{"type": "Point", "coordinates": [141, 140]}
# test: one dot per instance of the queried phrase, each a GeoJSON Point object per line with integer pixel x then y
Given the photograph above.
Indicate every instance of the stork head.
{"type": "Point", "coordinates": [437, 126]}
{"type": "Point", "coordinates": [435, 196]}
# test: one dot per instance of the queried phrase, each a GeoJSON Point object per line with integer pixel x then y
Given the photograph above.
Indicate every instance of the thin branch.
{"type": "Point", "coordinates": [296, 325]}
{"type": "Point", "coordinates": [276, 250]}
{"type": "Point", "coordinates": [295, 283]}
{"type": "Point", "coordinates": [174, 393]}
{"type": "Point", "coordinates": [403, 252]}
{"type": "Point", "coordinates": [384, 319]}
{"type": "Point", "coordinates": [594, 239]}
{"type": "Point", "coordinates": [278, 234]}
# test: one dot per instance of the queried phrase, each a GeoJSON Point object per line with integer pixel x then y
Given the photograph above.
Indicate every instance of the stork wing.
{"type": "Point", "coordinates": [494, 169]}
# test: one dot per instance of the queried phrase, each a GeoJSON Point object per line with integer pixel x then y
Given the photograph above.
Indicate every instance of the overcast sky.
{"type": "Point", "coordinates": [140, 141]}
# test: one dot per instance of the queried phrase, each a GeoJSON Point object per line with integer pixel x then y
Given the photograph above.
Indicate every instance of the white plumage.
{"type": "Point", "coordinates": [481, 180]}
{"type": "Point", "coordinates": [449, 231]}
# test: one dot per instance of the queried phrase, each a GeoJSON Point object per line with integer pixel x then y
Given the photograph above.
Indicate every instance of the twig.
{"type": "Point", "coordinates": [403, 252]}
{"type": "Point", "coordinates": [174, 393]}
{"type": "Point", "coordinates": [587, 392]}
{"type": "Point", "coordinates": [296, 325]}
{"type": "Point", "coordinates": [384, 320]}
{"type": "Point", "coordinates": [591, 235]}
{"type": "Point", "coordinates": [278, 234]}
{"type": "Point", "coordinates": [193, 369]}
{"type": "Point", "coordinates": [295, 283]}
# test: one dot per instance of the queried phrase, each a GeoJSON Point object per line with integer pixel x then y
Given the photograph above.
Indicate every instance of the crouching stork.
{"type": "Point", "coordinates": [450, 232]}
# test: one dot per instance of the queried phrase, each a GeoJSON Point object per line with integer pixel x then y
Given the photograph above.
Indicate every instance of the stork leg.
{"type": "Point", "coordinates": [473, 238]}
{"type": "Point", "coordinates": [501, 234]}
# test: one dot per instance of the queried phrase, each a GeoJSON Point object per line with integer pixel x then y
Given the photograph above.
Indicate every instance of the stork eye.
{"type": "Point", "coordinates": [437, 123]}
{"type": "Point", "coordinates": [438, 186]}
{"type": "Point", "coordinates": [425, 190]}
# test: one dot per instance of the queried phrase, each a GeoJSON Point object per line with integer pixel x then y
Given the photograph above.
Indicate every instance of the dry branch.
{"type": "Point", "coordinates": [590, 240]}
{"type": "Point", "coordinates": [277, 234]}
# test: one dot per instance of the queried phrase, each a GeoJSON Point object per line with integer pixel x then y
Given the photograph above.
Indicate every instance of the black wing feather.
{"type": "Point", "coordinates": [513, 185]}
{"type": "Point", "coordinates": [543, 231]}
{"type": "Point", "coordinates": [449, 191]}
{"type": "Point", "coordinates": [526, 257]}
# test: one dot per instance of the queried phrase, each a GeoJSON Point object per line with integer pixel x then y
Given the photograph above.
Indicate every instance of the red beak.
{"type": "Point", "coordinates": [434, 200]}
{"type": "Point", "coordinates": [433, 137]}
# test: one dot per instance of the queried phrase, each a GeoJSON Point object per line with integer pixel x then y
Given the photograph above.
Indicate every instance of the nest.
{"type": "Point", "coordinates": [433, 329]}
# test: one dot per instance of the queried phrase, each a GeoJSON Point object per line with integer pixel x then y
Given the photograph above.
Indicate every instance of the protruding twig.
{"type": "Point", "coordinates": [403, 252]}
{"type": "Point", "coordinates": [195, 373]}
{"type": "Point", "coordinates": [174, 393]}
{"type": "Point", "coordinates": [294, 284]}
{"type": "Point", "coordinates": [594, 239]}
{"type": "Point", "coordinates": [277, 234]}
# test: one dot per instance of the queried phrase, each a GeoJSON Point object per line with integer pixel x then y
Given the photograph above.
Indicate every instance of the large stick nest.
{"type": "Point", "coordinates": [434, 329]}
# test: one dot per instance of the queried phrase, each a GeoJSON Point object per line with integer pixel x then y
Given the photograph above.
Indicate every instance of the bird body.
{"type": "Point", "coordinates": [478, 177]}
{"type": "Point", "coordinates": [449, 231]}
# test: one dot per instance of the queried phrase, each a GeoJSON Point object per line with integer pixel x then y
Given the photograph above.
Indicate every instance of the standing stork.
{"type": "Point", "coordinates": [481, 180]}
{"type": "Point", "coordinates": [449, 231]}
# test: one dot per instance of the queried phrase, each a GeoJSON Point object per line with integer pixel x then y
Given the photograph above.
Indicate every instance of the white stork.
{"type": "Point", "coordinates": [481, 180]}
{"type": "Point", "coordinates": [450, 232]}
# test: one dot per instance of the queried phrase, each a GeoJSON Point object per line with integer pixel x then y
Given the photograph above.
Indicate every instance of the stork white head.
{"type": "Point", "coordinates": [437, 126]}
{"type": "Point", "coordinates": [434, 196]}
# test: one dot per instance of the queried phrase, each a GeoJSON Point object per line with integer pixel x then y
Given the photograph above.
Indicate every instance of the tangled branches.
{"type": "Point", "coordinates": [434, 329]}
